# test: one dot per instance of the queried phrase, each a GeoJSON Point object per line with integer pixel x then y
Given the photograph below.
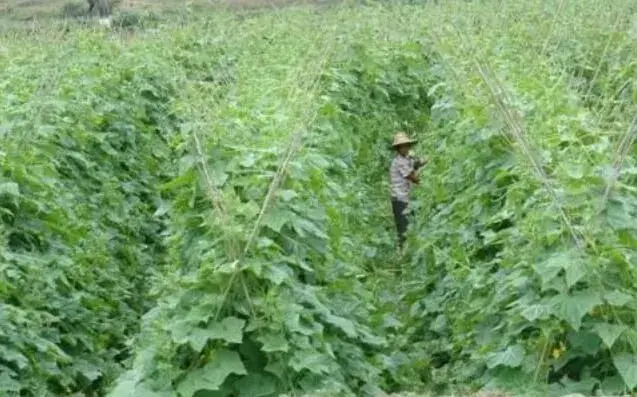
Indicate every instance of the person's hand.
{"type": "Point", "coordinates": [420, 162]}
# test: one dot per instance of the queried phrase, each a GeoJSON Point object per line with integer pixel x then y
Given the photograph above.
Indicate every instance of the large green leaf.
{"type": "Point", "coordinates": [585, 386]}
{"type": "Point", "coordinates": [342, 323]}
{"type": "Point", "coordinates": [570, 261]}
{"type": "Point", "coordinates": [550, 268]}
{"type": "Point", "coordinates": [613, 386]}
{"type": "Point", "coordinates": [129, 385]}
{"type": "Point", "coordinates": [535, 312]}
{"type": "Point", "coordinates": [573, 307]}
{"type": "Point", "coordinates": [609, 332]}
{"type": "Point", "coordinates": [13, 356]}
{"type": "Point", "coordinates": [511, 357]}
{"type": "Point", "coordinates": [212, 375]}
{"type": "Point", "coordinates": [230, 329]}
{"type": "Point", "coordinates": [257, 385]}
{"type": "Point", "coordinates": [8, 384]}
{"type": "Point", "coordinates": [626, 364]}
{"type": "Point", "coordinates": [575, 270]}
{"type": "Point", "coordinates": [313, 361]}
{"type": "Point", "coordinates": [618, 298]}
{"type": "Point", "coordinates": [9, 188]}
{"type": "Point", "coordinates": [273, 342]}
{"type": "Point", "coordinates": [584, 342]}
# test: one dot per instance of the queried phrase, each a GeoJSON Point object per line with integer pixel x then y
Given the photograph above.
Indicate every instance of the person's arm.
{"type": "Point", "coordinates": [409, 172]}
{"type": "Point", "coordinates": [420, 163]}
{"type": "Point", "coordinates": [413, 176]}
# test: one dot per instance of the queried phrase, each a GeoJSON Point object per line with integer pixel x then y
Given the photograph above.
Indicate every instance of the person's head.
{"type": "Point", "coordinates": [402, 143]}
{"type": "Point", "coordinates": [403, 149]}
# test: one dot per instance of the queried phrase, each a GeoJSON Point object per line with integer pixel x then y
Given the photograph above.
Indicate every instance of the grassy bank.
{"type": "Point", "coordinates": [194, 203]}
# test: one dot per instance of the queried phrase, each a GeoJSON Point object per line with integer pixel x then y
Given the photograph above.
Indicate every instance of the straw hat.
{"type": "Point", "coordinates": [402, 139]}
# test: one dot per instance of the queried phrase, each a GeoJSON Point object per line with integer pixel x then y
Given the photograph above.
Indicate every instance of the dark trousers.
{"type": "Point", "coordinates": [400, 216]}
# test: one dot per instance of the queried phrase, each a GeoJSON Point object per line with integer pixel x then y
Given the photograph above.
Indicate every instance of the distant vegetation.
{"type": "Point", "coordinates": [102, 7]}
{"type": "Point", "coordinates": [196, 205]}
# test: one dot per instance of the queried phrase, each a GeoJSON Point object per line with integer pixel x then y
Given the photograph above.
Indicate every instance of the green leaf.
{"type": "Point", "coordinates": [125, 386]}
{"type": "Point", "coordinates": [626, 365]}
{"type": "Point", "coordinates": [549, 269]}
{"type": "Point", "coordinates": [212, 375]}
{"type": "Point", "coordinates": [88, 370]}
{"type": "Point", "coordinates": [287, 195]}
{"type": "Point", "coordinates": [585, 386]}
{"type": "Point", "coordinates": [572, 308]}
{"type": "Point", "coordinates": [218, 175]}
{"type": "Point", "coordinates": [575, 271]}
{"type": "Point", "coordinates": [613, 386]}
{"type": "Point", "coordinates": [185, 179]}
{"type": "Point", "coordinates": [616, 216]}
{"type": "Point", "coordinates": [575, 171]}
{"type": "Point", "coordinates": [617, 298]}
{"type": "Point", "coordinates": [440, 324]}
{"type": "Point", "coordinates": [7, 353]}
{"type": "Point", "coordinates": [180, 330]}
{"type": "Point", "coordinates": [315, 362]}
{"type": "Point", "coordinates": [630, 336]}
{"type": "Point", "coordinates": [277, 273]}
{"type": "Point", "coordinates": [9, 188]}
{"type": "Point", "coordinates": [230, 329]}
{"type": "Point", "coordinates": [273, 342]}
{"type": "Point", "coordinates": [8, 384]}
{"type": "Point", "coordinates": [534, 312]}
{"type": "Point", "coordinates": [511, 357]}
{"type": "Point", "coordinates": [609, 332]}
{"type": "Point", "coordinates": [277, 367]}
{"type": "Point", "coordinates": [571, 262]}
{"type": "Point", "coordinates": [371, 339]}
{"type": "Point", "coordinates": [585, 341]}
{"type": "Point", "coordinates": [249, 160]}
{"type": "Point", "coordinates": [301, 226]}
{"type": "Point", "coordinates": [390, 321]}
{"type": "Point", "coordinates": [198, 338]}
{"type": "Point", "coordinates": [257, 385]}
{"type": "Point", "coordinates": [129, 386]}
{"type": "Point", "coordinates": [277, 217]}
{"type": "Point", "coordinates": [342, 323]}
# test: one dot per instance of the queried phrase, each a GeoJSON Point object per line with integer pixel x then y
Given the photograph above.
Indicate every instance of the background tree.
{"type": "Point", "coordinates": [104, 7]}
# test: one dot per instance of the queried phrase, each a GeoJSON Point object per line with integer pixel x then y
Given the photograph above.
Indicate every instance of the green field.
{"type": "Point", "coordinates": [194, 201]}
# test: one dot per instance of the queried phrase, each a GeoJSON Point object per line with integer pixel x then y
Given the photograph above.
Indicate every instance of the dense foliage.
{"type": "Point", "coordinates": [84, 146]}
{"type": "Point", "coordinates": [541, 234]}
{"type": "Point", "coordinates": [201, 208]}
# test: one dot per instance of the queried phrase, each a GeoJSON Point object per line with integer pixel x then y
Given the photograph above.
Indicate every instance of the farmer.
{"type": "Point", "coordinates": [402, 176]}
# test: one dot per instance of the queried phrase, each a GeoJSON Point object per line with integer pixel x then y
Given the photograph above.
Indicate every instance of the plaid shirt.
{"type": "Point", "coordinates": [401, 167]}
